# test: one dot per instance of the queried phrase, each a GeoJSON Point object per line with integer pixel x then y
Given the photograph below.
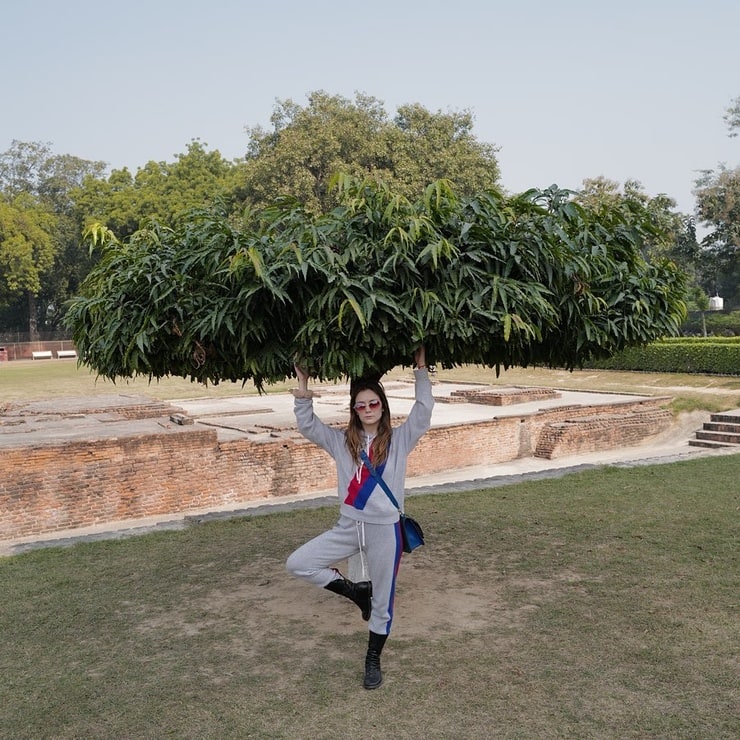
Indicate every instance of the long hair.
{"type": "Point", "coordinates": [353, 434]}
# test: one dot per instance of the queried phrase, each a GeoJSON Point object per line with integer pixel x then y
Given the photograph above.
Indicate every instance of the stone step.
{"type": "Point", "coordinates": [716, 426]}
{"type": "Point", "coordinates": [727, 417]}
{"type": "Point", "coordinates": [724, 437]}
{"type": "Point", "coordinates": [707, 443]}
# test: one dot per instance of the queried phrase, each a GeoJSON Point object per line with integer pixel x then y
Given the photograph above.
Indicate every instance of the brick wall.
{"type": "Point", "coordinates": [508, 397]}
{"type": "Point", "coordinates": [595, 433]}
{"type": "Point", "coordinates": [48, 488]}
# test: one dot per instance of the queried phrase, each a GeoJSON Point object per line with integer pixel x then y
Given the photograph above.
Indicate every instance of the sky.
{"type": "Point", "coordinates": [568, 90]}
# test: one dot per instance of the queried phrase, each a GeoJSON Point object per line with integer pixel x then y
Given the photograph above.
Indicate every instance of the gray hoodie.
{"type": "Point", "coordinates": [370, 503]}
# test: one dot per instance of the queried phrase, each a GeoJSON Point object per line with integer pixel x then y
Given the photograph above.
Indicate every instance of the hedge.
{"type": "Point", "coordinates": [694, 355]}
{"type": "Point", "coordinates": [701, 340]}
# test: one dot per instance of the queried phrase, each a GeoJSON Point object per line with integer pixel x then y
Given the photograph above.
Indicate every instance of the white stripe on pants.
{"type": "Point", "coordinates": [312, 562]}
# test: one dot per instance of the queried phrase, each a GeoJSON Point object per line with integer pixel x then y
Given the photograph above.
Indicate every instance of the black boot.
{"type": "Point", "coordinates": [373, 676]}
{"type": "Point", "coordinates": [361, 593]}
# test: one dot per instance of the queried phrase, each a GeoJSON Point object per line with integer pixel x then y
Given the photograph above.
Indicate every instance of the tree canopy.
{"type": "Point", "coordinates": [296, 157]}
{"type": "Point", "coordinates": [39, 236]}
{"type": "Point", "coordinates": [532, 279]}
{"type": "Point", "coordinates": [308, 145]}
{"type": "Point", "coordinates": [26, 246]}
{"type": "Point", "coordinates": [718, 208]}
{"type": "Point", "coordinates": [158, 190]}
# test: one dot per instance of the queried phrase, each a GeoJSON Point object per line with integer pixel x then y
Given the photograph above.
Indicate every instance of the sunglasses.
{"type": "Point", "coordinates": [361, 405]}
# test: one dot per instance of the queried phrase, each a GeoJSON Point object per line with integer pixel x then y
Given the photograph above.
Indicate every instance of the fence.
{"type": "Point", "coordinates": [21, 337]}
{"type": "Point", "coordinates": [26, 350]}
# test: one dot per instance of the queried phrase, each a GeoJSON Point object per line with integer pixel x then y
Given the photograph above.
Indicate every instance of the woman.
{"type": "Point", "coordinates": [368, 521]}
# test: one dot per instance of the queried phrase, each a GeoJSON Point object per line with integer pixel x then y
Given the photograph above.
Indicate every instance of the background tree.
{"type": "Point", "coordinates": [159, 190]}
{"type": "Point", "coordinates": [602, 194]}
{"type": "Point", "coordinates": [35, 180]}
{"type": "Point", "coordinates": [25, 167]}
{"type": "Point", "coordinates": [717, 195]}
{"type": "Point", "coordinates": [27, 252]}
{"type": "Point", "coordinates": [732, 117]}
{"type": "Point", "coordinates": [308, 145]}
{"type": "Point", "coordinates": [718, 208]}
{"type": "Point", "coordinates": [426, 147]}
{"type": "Point", "coordinates": [699, 301]}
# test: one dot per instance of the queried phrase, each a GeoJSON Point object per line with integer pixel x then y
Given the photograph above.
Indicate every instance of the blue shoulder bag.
{"type": "Point", "coordinates": [412, 534]}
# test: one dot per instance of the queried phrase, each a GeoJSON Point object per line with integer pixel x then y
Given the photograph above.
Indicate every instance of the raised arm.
{"type": "Point", "coordinates": [420, 416]}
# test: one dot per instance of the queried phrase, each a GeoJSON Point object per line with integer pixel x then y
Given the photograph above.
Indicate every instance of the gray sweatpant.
{"type": "Point", "coordinates": [382, 548]}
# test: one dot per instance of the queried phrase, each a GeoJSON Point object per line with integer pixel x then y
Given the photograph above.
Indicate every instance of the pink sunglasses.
{"type": "Point", "coordinates": [361, 405]}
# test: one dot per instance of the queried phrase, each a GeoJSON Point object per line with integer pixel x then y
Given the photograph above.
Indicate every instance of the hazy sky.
{"type": "Point", "coordinates": [628, 89]}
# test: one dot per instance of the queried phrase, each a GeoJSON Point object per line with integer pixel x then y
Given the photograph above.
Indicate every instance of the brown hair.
{"type": "Point", "coordinates": [353, 434]}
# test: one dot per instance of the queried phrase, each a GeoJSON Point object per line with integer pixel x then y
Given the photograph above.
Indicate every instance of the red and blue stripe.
{"type": "Point", "coordinates": [358, 492]}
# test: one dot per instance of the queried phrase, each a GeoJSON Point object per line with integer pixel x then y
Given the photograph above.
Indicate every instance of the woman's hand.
{"type": "Point", "coordinates": [302, 390]}
{"type": "Point", "coordinates": [420, 357]}
{"type": "Point", "coordinates": [302, 376]}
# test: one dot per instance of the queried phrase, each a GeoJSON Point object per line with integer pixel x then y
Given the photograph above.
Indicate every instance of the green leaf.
{"type": "Point", "coordinates": [507, 327]}
{"type": "Point", "coordinates": [355, 307]}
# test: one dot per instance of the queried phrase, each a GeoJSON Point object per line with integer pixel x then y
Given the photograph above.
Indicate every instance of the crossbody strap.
{"type": "Point", "coordinates": [379, 478]}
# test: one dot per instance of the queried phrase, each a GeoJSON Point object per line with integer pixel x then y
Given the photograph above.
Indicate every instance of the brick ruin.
{"type": "Point", "coordinates": [153, 461]}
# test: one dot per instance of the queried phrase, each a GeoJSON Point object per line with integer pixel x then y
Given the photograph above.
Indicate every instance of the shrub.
{"type": "Point", "coordinates": [712, 356]}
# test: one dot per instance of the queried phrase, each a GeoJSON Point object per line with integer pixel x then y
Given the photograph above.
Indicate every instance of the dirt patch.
{"type": "Point", "coordinates": [431, 602]}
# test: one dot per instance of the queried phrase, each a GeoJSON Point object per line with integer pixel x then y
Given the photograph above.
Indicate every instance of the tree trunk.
{"type": "Point", "coordinates": [33, 322]}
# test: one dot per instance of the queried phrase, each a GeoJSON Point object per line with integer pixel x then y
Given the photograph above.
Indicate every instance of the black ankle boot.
{"type": "Point", "coordinates": [373, 675]}
{"type": "Point", "coordinates": [361, 593]}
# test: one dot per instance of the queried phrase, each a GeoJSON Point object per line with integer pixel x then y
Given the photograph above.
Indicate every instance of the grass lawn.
{"type": "Point", "coordinates": [603, 604]}
{"type": "Point", "coordinates": [25, 380]}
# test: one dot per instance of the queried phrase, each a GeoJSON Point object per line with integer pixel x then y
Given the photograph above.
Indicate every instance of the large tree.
{"type": "Point", "coordinates": [718, 208]}
{"type": "Point", "coordinates": [669, 225]}
{"type": "Point", "coordinates": [41, 184]}
{"type": "Point", "coordinates": [532, 279]}
{"type": "Point", "coordinates": [124, 202]}
{"type": "Point", "coordinates": [307, 145]}
{"type": "Point", "coordinates": [27, 252]}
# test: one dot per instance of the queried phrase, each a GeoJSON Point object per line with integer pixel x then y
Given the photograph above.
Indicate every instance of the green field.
{"type": "Point", "coordinates": [28, 380]}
